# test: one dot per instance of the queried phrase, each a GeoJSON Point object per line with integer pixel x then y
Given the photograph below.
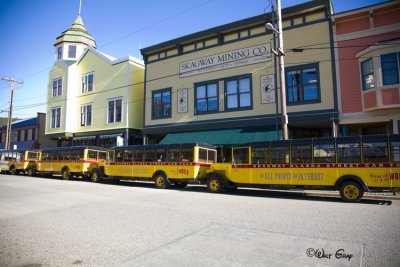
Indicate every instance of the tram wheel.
{"type": "Point", "coordinates": [96, 176]}
{"type": "Point", "coordinates": [66, 175]}
{"type": "Point", "coordinates": [214, 184]}
{"type": "Point", "coordinates": [161, 181]}
{"type": "Point", "coordinates": [13, 171]}
{"type": "Point", "coordinates": [351, 191]}
{"type": "Point", "coordinates": [30, 171]}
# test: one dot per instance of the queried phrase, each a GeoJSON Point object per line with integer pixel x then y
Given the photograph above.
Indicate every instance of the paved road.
{"type": "Point", "coordinates": [50, 222]}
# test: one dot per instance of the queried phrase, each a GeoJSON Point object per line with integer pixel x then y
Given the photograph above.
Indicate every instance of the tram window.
{"type": "Point", "coordinates": [280, 154]}
{"type": "Point", "coordinates": [150, 155]}
{"type": "Point", "coordinates": [202, 155]}
{"type": "Point", "coordinates": [45, 156]}
{"type": "Point", "coordinates": [301, 154]}
{"type": "Point", "coordinates": [260, 155]}
{"type": "Point", "coordinates": [349, 152]}
{"type": "Point", "coordinates": [211, 156]}
{"type": "Point", "coordinates": [119, 156]}
{"type": "Point", "coordinates": [161, 154]}
{"type": "Point", "coordinates": [241, 155]}
{"type": "Point", "coordinates": [324, 153]}
{"type": "Point", "coordinates": [138, 155]}
{"type": "Point", "coordinates": [375, 152]}
{"type": "Point", "coordinates": [92, 154]}
{"type": "Point", "coordinates": [74, 155]}
{"type": "Point", "coordinates": [174, 155]}
{"type": "Point", "coordinates": [187, 155]}
{"type": "Point", "coordinates": [102, 155]}
{"type": "Point", "coordinates": [395, 151]}
{"type": "Point", "coordinates": [110, 155]}
{"type": "Point", "coordinates": [128, 155]}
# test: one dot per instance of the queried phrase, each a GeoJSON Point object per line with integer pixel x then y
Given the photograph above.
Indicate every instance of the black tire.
{"type": "Point", "coordinates": [96, 176]}
{"type": "Point", "coordinates": [180, 184]}
{"type": "Point", "coordinates": [66, 175]}
{"type": "Point", "coordinates": [30, 171]}
{"type": "Point", "coordinates": [161, 181]}
{"type": "Point", "coordinates": [13, 170]}
{"type": "Point", "coordinates": [351, 191]}
{"type": "Point", "coordinates": [214, 184]}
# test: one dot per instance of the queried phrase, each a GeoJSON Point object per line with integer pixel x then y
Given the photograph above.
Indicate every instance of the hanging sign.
{"type": "Point", "coordinates": [267, 89]}
{"type": "Point", "coordinates": [182, 100]}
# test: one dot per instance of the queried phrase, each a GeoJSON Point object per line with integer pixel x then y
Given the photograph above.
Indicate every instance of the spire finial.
{"type": "Point", "coordinates": [80, 7]}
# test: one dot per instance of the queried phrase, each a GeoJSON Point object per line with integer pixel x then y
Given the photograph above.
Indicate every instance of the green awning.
{"type": "Point", "coordinates": [223, 137]}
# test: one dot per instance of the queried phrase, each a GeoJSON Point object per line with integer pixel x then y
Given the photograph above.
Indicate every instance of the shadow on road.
{"type": "Point", "coordinates": [246, 192]}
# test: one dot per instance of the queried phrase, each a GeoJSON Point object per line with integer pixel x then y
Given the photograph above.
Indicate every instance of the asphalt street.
{"type": "Point", "coordinates": [51, 222]}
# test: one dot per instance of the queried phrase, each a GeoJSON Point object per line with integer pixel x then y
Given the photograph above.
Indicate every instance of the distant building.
{"type": "Point", "coordinates": [218, 85]}
{"type": "Point", "coordinates": [27, 134]}
{"type": "Point", "coordinates": [93, 98]}
{"type": "Point", "coordinates": [368, 58]}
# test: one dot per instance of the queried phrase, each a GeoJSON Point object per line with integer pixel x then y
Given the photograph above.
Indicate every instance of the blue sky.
{"type": "Point", "coordinates": [120, 27]}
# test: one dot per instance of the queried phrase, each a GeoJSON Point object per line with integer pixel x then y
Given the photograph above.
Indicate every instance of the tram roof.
{"type": "Point", "coordinates": [72, 148]}
{"type": "Point", "coordinates": [164, 146]}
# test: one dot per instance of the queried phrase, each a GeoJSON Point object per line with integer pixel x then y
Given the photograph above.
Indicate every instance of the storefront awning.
{"type": "Point", "coordinates": [223, 137]}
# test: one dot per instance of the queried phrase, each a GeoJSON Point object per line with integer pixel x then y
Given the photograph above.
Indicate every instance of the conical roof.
{"type": "Point", "coordinates": [76, 34]}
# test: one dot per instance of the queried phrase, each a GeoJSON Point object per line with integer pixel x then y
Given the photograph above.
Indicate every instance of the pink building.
{"type": "Point", "coordinates": [367, 42]}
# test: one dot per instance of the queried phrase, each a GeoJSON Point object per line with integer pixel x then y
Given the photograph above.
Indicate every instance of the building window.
{"type": "Point", "coordinates": [57, 87]}
{"type": "Point", "coordinates": [302, 84]}
{"type": "Point", "coordinates": [390, 68]}
{"type": "Point", "coordinates": [33, 134]}
{"type": "Point", "coordinates": [55, 120]}
{"type": "Point", "coordinates": [86, 115]}
{"type": "Point", "coordinates": [114, 110]}
{"type": "Point", "coordinates": [161, 104]}
{"type": "Point", "coordinates": [367, 74]}
{"type": "Point", "coordinates": [206, 98]}
{"type": "Point", "coordinates": [87, 83]}
{"type": "Point", "coordinates": [59, 52]}
{"type": "Point", "coordinates": [238, 93]}
{"type": "Point", "coordinates": [72, 51]}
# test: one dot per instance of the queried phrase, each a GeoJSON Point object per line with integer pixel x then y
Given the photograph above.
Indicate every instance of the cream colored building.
{"type": "Point", "coordinates": [219, 85]}
{"type": "Point", "coordinates": [93, 98]}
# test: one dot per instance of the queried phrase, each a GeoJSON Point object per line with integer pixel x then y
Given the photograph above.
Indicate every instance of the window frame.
{"type": "Point", "coordinates": [85, 83]}
{"type": "Point", "coordinates": [57, 90]}
{"type": "Point", "coordinates": [55, 118]}
{"type": "Point", "coordinates": [70, 51]}
{"type": "Point", "coordinates": [86, 115]}
{"type": "Point", "coordinates": [161, 91]}
{"type": "Point", "coordinates": [397, 69]}
{"type": "Point", "coordinates": [59, 53]}
{"type": "Point", "coordinates": [238, 93]}
{"type": "Point", "coordinates": [114, 115]}
{"type": "Point", "coordinates": [364, 75]}
{"type": "Point", "coordinates": [301, 68]}
{"type": "Point", "coordinates": [206, 84]}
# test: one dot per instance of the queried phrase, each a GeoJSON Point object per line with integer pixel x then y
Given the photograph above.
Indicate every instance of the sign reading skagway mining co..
{"type": "Point", "coordinates": [226, 60]}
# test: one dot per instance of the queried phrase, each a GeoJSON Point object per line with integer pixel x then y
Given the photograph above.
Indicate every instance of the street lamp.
{"type": "Point", "coordinates": [282, 82]}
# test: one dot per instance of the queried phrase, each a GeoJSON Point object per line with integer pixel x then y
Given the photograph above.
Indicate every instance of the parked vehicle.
{"type": "Point", "coordinates": [352, 165]}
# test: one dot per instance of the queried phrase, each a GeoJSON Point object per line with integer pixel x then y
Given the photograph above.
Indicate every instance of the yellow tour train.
{"type": "Point", "coordinates": [352, 165]}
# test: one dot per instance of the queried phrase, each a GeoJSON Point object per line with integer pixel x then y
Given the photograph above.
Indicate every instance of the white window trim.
{"type": "Point", "coordinates": [115, 113]}
{"type": "Point", "coordinates": [51, 118]}
{"type": "Point", "coordinates": [52, 82]}
{"type": "Point", "coordinates": [83, 111]}
{"type": "Point", "coordinates": [84, 89]}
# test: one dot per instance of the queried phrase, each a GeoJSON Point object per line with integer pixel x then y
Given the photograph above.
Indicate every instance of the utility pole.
{"type": "Point", "coordinates": [8, 130]}
{"type": "Point", "coordinates": [282, 83]}
{"type": "Point", "coordinates": [285, 134]}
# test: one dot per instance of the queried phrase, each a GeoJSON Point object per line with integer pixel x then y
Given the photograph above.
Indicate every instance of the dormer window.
{"type": "Point", "coordinates": [72, 51]}
{"type": "Point", "coordinates": [59, 52]}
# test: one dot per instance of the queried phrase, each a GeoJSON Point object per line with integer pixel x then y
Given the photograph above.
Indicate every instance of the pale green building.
{"type": "Point", "coordinates": [93, 98]}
